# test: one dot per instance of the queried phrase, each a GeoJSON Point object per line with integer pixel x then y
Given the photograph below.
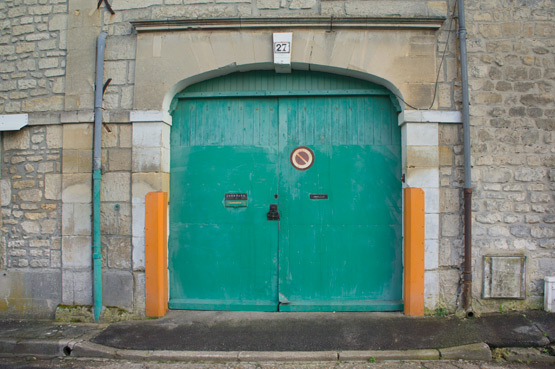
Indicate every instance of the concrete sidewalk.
{"type": "Point", "coordinates": [246, 336]}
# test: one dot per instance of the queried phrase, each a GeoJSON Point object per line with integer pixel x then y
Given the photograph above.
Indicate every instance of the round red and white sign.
{"type": "Point", "coordinates": [302, 158]}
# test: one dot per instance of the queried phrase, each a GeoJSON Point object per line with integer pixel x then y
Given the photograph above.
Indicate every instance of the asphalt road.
{"type": "Point", "coordinates": [30, 363]}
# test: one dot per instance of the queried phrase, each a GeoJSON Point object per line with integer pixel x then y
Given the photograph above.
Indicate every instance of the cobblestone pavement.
{"type": "Point", "coordinates": [32, 363]}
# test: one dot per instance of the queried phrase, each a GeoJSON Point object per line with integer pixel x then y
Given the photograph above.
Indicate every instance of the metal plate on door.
{"type": "Point", "coordinates": [236, 200]}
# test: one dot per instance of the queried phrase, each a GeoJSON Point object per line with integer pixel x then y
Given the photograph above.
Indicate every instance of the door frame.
{"type": "Point", "coordinates": [419, 129]}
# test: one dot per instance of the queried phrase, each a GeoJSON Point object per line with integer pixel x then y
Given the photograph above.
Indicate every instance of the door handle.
{"type": "Point", "coordinates": [273, 213]}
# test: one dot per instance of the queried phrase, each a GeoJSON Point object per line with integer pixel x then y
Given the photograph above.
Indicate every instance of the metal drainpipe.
{"type": "Point", "coordinates": [97, 254]}
{"type": "Point", "coordinates": [467, 274]}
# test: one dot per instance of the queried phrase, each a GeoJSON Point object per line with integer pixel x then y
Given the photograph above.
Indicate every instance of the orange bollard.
{"type": "Point", "coordinates": [414, 252]}
{"type": "Point", "coordinates": [156, 253]}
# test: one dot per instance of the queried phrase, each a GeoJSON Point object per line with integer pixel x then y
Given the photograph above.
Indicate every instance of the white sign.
{"type": "Point", "coordinates": [13, 122]}
{"type": "Point", "coordinates": [282, 52]}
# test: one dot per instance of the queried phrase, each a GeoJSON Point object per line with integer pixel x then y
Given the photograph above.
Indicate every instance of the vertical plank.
{"type": "Point", "coordinates": [156, 253]}
{"type": "Point", "coordinates": [414, 251]}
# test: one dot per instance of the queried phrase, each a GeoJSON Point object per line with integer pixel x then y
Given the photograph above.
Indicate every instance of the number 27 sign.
{"type": "Point", "coordinates": [282, 47]}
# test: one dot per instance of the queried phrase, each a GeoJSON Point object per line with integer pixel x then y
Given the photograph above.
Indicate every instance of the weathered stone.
{"type": "Point", "coordinates": [77, 136]}
{"type": "Point", "coordinates": [76, 188]}
{"type": "Point", "coordinates": [5, 192]}
{"type": "Point", "coordinates": [499, 175]}
{"type": "Point", "coordinates": [125, 135]}
{"type": "Point", "coordinates": [34, 216]}
{"type": "Point", "coordinates": [537, 99]}
{"type": "Point", "coordinates": [450, 225]}
{"type": "Point", "coordinates": [76, 252]}
{"type": "Point", "coordinates": [119, 252]}
{"type": "Point", "coordinates": [543, 231]}
{"type": "Point", "coordinates": [76, 287]}
{"type": "Point", "coordinates": [43, 104]}
{"type": "Point", "coordinates": [77, 161]}
{"type": "Point", "coordinates": [57, 22]}
{"type": "Point", "coordinates": [528, 174]}
{"type": "Point", "coordinates": [37, 292]}
{"type": "Point", "coordinates": [116, 187]}
{"type": "Point", "coordinates": [117, 70]}
{"type": "Point", "coordinates": [54, 136]}
{"type": "Point", "coordinates": [16, 140]}
{"type": "Point", "coordinates": [526, 355]}
{"type": "Point", "coordinates": [30, 227]}
{"type": "Point", "coordinates": [119, 159]}
{"type": "Point", "coordinates": [477, 351]}
{"type": "Point", "coordinates": [302, 4]}
{"type": "Point", "coordinates": [33, 195]}
{"type": "Point", "coordinates": [23, 184]}
{"type": "Point", "coordinates": [388, 8]}
{"type": "Point", "coordinates": [118, 289]}
{"type": "Point", "coordinates": [48, 226]}
{"type": "Point", "coordinates": [53, 186]}
{"type": "Point", "coordinates": [120, 48]}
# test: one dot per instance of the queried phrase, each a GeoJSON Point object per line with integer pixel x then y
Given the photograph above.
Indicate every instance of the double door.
{"type": "Point", "coordinates": [285, 203]}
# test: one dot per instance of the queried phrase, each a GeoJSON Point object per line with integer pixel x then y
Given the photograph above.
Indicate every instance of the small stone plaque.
{"type": "Point", "coordinates": [504, 277]}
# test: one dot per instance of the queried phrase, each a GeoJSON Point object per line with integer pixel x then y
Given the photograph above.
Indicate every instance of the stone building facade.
{"type": "Point", "coordinates": [47, 73]}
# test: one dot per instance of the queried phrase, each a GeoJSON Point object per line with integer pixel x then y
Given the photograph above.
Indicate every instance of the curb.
{"type": "Point", "coordinates": [478, 351]}
{"type": "Point", "coordinates": [427, 354]}
{"type": "Point", "coordinates": [39, 348]}
{"type": "Point", "coordinates": [475, 351]}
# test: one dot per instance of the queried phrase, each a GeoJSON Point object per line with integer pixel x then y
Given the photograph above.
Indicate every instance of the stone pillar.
{"type": "Point", "coordinates": [150, 173]}
{"type": "Point", "coordinates": [76, 214]}
{"type": "Point", "coordinates": [115, 215]}
{"type": "Point", "coordinates": [420, 146]}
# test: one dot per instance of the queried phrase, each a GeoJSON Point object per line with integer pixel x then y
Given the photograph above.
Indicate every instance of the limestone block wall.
{"type": "Point", "coordinates": [32, 55]}
{"type": "Point", "coordinates": [30, 241]}
{"type": "Point", "coordinates": [115, 211]}
{"type": "Point", "coordinates": [512, 80]}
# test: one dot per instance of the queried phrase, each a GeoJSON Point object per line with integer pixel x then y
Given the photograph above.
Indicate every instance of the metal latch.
{"type": "Point", "coordinates": [273, 213]}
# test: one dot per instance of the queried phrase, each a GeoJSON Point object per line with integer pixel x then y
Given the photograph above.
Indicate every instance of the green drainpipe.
{"type": "Point", "coordinates": [97, 253]}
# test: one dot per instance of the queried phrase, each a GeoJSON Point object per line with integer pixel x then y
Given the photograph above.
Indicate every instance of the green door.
{"type": "Point", "coordinates": [341, 218]}
{"type": "Point", "coordinates": [222, 256]}
{"type": "Point", "coordinates": [337, 243]}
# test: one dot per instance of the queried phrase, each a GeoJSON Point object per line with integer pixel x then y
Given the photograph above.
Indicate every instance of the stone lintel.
{"type": "Point", "coordinates": [150, 116]}
{"type": "Point", "coordinates": [429, 116]}
{"type": "Point", "coordinates": [429, 22]}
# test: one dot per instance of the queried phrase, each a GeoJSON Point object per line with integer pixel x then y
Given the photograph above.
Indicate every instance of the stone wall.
{"type": "Point", "coordinates": [32, 55]}
{"type": "Point", "coordinates": [30, 244]}
{"type": "Point", "coordinates": [512, 79]}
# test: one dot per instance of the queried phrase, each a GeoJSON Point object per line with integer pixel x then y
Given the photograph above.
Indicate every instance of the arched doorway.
{"type": "Point", "coordinates": [285, 195]}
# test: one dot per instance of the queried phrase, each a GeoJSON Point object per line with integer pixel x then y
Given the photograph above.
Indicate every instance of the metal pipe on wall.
{"type": "Point", "coordinates": [467, 274]}
{"type": "Point", "coordinates": [97, 253]}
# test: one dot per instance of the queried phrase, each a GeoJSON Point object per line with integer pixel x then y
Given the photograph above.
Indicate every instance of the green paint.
{"type": "Point", "coordinates": [340, 253]}
{"type": "Point", "coordinates": [346, 248]}
{"type": "Point", "coordinates": [97, 252]}
{"type": "Point", "coordinates": [366, 92]}
{"type": "Point", "coordinates": [222, 257]}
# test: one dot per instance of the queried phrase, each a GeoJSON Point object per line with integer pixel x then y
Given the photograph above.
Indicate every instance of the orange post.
{"type": "Point", "coordinates": [156, 253]}
{"type": "Point", "coordinates": [414, 252]}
